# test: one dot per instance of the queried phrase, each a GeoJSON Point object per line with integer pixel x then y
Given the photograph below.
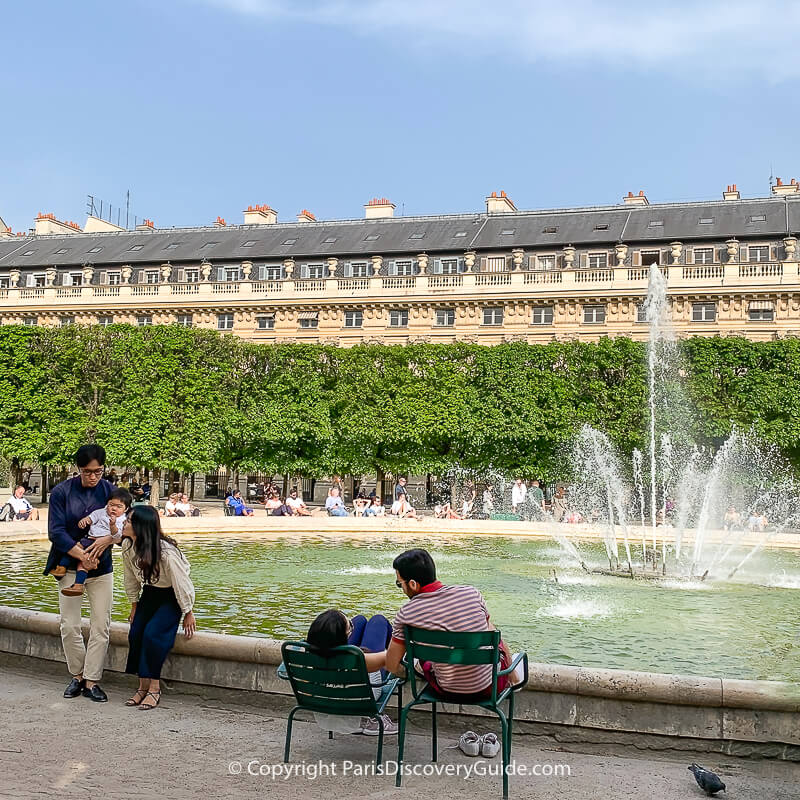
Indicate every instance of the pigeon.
{"type": "Point", "coordinates": [708, 781]}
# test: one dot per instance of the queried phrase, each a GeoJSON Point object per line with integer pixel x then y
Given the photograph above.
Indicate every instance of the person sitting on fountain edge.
{"type": "Point", "coordinates": [436, 607]}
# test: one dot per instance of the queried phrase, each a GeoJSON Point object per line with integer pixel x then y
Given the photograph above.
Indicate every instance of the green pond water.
{"type": "Point", "coordinates": [747, 628]}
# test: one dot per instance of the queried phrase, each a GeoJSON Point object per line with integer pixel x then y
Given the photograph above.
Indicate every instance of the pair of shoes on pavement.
{"type": "Point", "coordinates": [471, 744]}
{"type": "Point", "coordinates": [369, 726]}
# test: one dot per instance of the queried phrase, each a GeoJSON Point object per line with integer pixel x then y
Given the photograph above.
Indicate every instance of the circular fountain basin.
{"type": "Point", "coordinates": [544, 603]}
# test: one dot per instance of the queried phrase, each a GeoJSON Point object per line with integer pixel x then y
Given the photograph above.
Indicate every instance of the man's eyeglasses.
{"type": "Point", "coordinates": [98, 472]}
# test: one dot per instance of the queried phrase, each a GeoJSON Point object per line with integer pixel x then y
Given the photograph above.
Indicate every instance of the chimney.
{"type": "Point", "coordinates": [260, 215]}
{"type": "Point", "coordinates": [379, 209]}
{"type": "Point", "coordinates": [780, 188]}
{"type": "Point", "coordinates": [97, 225]}
{"type": "Point", "coordinates": [5, 231]}
{"type": "Point", "coordinates": [499, 204]}
{"type": "Point", "coordinates": [147, 226]}
{"type": "Point", "coordinates": [635, 199]}
{"type": "Point", "coordinates": [306, 216]}
{"type": "Point", "coordinates": [48, 224]}
{"type": "Point", "coordinates": [731, 193]}
{"type": "Point", "coordinates": [220, 223]}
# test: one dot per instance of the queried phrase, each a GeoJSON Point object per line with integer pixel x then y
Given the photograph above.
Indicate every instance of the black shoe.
{"type": "Point", "coordinates": [96, 694]}
{"type": "Point", "coordinates": [75, 687]}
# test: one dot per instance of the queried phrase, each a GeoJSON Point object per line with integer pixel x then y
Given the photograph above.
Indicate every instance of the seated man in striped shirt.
{"type": "Point", "coordinates": [434, 606]}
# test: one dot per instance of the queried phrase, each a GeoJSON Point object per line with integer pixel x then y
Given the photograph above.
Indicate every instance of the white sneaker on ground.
{"type": "Point", "coordinates": [470, 743]}
{"type": "Point", "coordinates": [490, 746]}
{"type": "Point", "coordinates": [371, 727]}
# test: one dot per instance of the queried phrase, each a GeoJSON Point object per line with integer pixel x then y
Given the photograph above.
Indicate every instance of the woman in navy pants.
{"type": "Point", "coordinates": [158, 585]}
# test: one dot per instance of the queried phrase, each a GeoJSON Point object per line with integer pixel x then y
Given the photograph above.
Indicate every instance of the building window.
{"type": "Point", "coordinates": [757, 218]}
{"type": "Point", "coordinates": [105, 320]}
{"type": "Point", "coordinates": [759, 253]}
{"type": "Point", "coordinates": [114, 278]}
{"type": "Point", "coordinates": [66, 321]}
{"type": "Point", "coordinates": [5, 282]}
{"type": "Point", "coordinates": [224, 322]}
{"type": "Point", "coordinates": [151, 276]}
{"type": "Point", "coordinates": [61, 251]}
{"type": "Point", "coordinates": [359, 269]}
{"type": "Point", "coordinates": [398, 318]}
{"type": "Point", "coordinates": [550, 229]}
{"type": "Point", "coordinates": [448, 266]}
{"type": "Point", "coordinates": [372, 237]}
{"type": "Point", "coordinates": [459, 234]}
{"type": "Point", "coordinates": [144, 320]}
{"type": "Point", "coordinates": [192, 276]}
{"type": "Point", "coordinates": [417, 236]}
{"type": "Point", "coordinates": [704, 312]}
{"type": "Point", "coordinates": [445, 317]}
{"type": "Point", "coordinates": [543, 315]}
{"type": "Point", "coordinates": [508, 231]}
{"type": "Point", "coordinates": [185, 320]}
{"type": "Point", "coordinates": [135, 247]}
{"type": "Point", "coordinates": [248, 243]}
{"type": "Point", "coordinates": [353, 319]}
{"type": "Point", "coordinates": [232, 274]}
{"type": "Point", "coordinates": [74, 279]}
{"type": "Point", "coordinates": [594, 315]}
{"type": "Point", "coordinates": [95, 250]}
{"type": "Point", "coordinates": [704, 255]}
{"type": "Point", "coordinates": [329, 240]}
{"type": "Point", "coordinates": [706, 221]}
{"type": "Point", "coordinates": [173, 245]}
{"type": "Point", "coordinates": [290, 241]}
{"type": "Point", "coordinates": [37, 281]}
{"type": "Point", "coordinates": [270, 272]}
{"type": "Point", "coordinates": [266, 322]}
{"type": "Point", "coordinates": [312, 272]}
{"type": "Point", "coordinates": [31, 321]}
{"type": "Point", "coordinates": [492, 316]}
{"type": "Point", "coordinates": [546, 262]}
{"type": "Point", "coordinates": [401, 268]}
{"type": "Point", "coordinates": [650, 257]}
{"type": "Point", "coordinates": [598, 260]}
{"type": "Point", "coordinates": [308, 319]}
{"type": "Point", "coordinates": [761, 311]}
{"type": "Point", "coordinates": [641, 312]}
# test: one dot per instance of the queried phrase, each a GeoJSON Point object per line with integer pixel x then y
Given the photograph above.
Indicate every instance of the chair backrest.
{"type": "Point", "coordinates": [336, 682]}
{"type": "Point", "coordinates": [471, 648]}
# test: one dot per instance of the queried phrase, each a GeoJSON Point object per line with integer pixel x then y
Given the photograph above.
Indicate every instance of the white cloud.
{"type": "Point", "coordinates": [719, 37]}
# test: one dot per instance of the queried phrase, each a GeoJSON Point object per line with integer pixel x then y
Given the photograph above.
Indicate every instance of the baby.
{"type": "Point", "coordinates": [106, 521]}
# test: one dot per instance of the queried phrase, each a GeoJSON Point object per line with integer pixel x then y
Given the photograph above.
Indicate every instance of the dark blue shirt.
{"type": "Point", "coordinates": [70, 502]}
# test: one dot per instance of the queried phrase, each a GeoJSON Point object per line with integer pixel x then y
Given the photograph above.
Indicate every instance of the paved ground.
{"type": "Point", "coordinates": [51, 747]}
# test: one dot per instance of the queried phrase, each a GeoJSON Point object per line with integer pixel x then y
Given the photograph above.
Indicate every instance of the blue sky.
{"type": "Point", "coordinates": [202, 107]}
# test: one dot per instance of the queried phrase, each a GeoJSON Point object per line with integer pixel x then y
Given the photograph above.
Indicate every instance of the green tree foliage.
{"type": "Point", "coordinates": [170, 398]}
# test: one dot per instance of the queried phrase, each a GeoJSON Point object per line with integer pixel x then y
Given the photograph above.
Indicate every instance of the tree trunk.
{"type": "Point", "coordinates": [380, 480]}
{"type": "Point", "coordinates": [191, 489]}
{"type": "Point", "coordinates": [16, 473]}
{"type": "Point", "coordinates": [155, 487]}
{"type": "Point", "coordinates": [44, 483]}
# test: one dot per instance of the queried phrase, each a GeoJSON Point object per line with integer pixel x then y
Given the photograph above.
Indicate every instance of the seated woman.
{"type": "Point", "coordinates": [183, 508]}
{"type": "Point", "coordinates": [333, 629]}
{"type": "Point", "coordinates": [334, 505]}
{"type": "Point", "coordinates": [403, 509]}
{"type": "Point", "coordinates": [273, 502]}
{"type": "Point", "coordinates": [375, 508]}
{"type": "Point", "coordinates": [170, 509]}
{"type": "Point", "coordinates": [235, 502]}
{"type": "Point", "coordinates": [360, 503]}
{"type": "Point", "coordinates": [445, 511]}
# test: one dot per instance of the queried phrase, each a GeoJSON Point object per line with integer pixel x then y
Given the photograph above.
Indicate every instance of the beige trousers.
{"type": "Point", "coordinates": [87, 660]}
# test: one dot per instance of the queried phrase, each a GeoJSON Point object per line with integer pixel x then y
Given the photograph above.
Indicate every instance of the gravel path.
{"type": "Point", "coordinates": [52, 747]}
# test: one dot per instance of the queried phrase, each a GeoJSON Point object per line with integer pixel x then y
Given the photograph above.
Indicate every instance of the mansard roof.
{"type": "Point", "coordinates": [600, 226]}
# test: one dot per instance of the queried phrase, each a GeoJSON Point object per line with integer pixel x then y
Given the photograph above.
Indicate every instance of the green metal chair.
{"type": "Point", "coordinates": [468, 649]}
{"type": "Point", "coordinates": [338, 683]}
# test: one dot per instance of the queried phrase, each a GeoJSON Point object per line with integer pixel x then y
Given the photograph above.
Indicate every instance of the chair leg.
{"type": "Point", "coordinates": [505, 749]}
{"type": "Point", "coordinates": [510, 722]}
{"type": "Point", "coordinates": [379, 756]}
{"type": "Point", "coordinates": [289, 733]}
{"type": "Point", "coordinates": [433, 733]}
{"type": "Point", "coordinates": [401, 740]}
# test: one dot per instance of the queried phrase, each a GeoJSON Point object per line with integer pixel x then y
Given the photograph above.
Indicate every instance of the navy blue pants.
{"type": "Point", "coordinates": [153, 631]}
{"type": "Point", "coordinates": [372, 635]}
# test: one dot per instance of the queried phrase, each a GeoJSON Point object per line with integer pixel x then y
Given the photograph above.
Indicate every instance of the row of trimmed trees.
{"type": "Point", "coordinates": [172, 398]}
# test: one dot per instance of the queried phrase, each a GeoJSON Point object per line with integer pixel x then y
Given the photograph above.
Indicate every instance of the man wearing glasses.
{"type": "Point", "coordinates": [70, 501]}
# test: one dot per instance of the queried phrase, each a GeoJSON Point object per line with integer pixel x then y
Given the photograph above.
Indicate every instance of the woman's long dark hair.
{"type": "Point", "coordinates": [147, 544]}
{"type": "Point", "coordinates": [328, 630]}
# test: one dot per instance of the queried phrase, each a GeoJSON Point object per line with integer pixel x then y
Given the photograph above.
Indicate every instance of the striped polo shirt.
{"type": "Point", "coordinates": [448, 608]}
